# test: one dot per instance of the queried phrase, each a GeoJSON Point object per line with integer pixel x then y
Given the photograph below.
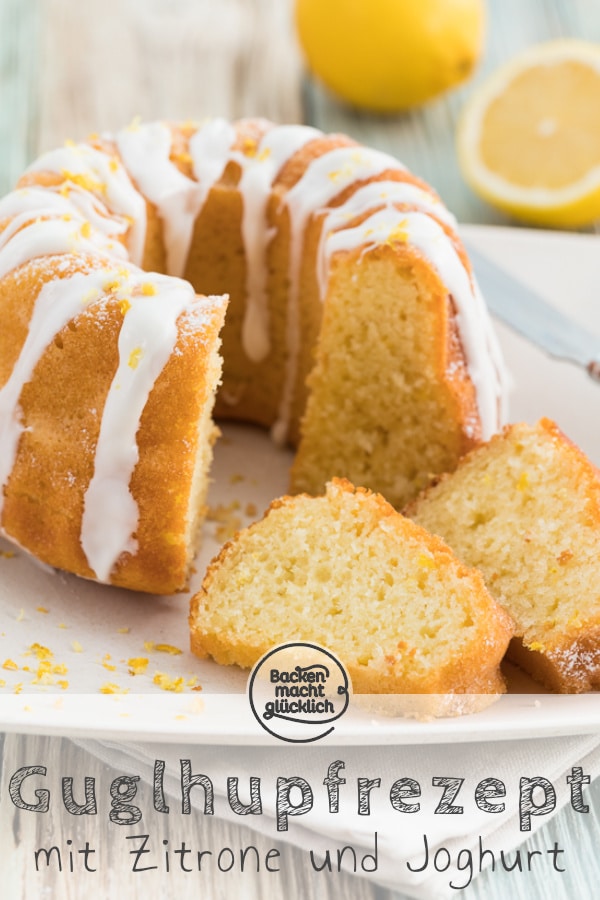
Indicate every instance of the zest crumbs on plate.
{"type": "Point", "coordinates": [138, 665]}
{"type": "Point", "coordinates": [110, 688]}
{"type": "Point", "coordinates": [162, 648]}
{"type": "Point", "coordinates": [44, 673]}
{"type": "Point", "coordinates": [168, 683]}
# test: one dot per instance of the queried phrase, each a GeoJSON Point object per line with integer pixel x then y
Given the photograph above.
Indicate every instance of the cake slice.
{"type": "Point", "coordinates": [348, 572]}
{"type": "Point", "coordinates": [525, 509]}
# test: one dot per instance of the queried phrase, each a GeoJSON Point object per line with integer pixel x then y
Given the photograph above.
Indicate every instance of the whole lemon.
{"type": "Point", "coordinates": [390, 55]}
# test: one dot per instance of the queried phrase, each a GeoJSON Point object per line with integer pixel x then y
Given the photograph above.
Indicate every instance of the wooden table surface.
{"type": "Point", "coordinates": [69, 67]}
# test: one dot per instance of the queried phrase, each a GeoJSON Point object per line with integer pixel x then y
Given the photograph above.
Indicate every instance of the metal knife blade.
{"type": "Point", "coordinates": [523, 310]}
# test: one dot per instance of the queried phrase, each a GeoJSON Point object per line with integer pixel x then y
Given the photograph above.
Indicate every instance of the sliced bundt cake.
{"type": "Point", "coordinates": [525, 509]}
{"type": "Point", "coordinates": [339, 264]}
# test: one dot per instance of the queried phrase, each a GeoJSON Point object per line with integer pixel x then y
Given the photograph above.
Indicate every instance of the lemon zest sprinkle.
{"type": "Point", "coordinates": [40, 651]}
{"type": "Point", "coordinates": [134, 358]}
{"type": "Point", "coordinates": [168, 648]}
{"type": "Point", "coordinates": [137, 665]}
{"type": "Point", "coordinates": [249, 147]}
{"type": "Point", "coordinates": [167, 683]}
{"type": "Point", "coordinates": [109, 687]}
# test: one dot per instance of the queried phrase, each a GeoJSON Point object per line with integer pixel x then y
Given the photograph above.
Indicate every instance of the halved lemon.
{"type": "Point", "coordinates": [529, 137]}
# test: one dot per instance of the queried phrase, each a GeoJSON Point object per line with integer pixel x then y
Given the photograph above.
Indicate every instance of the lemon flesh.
{"type": "Point", "coordinates": [529, 139]}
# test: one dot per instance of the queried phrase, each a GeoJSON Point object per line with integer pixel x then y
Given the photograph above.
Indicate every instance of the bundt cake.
{"type": "Point", "coordinates": [525, 509]}
{"type": "Point", "coordinates": [353, 575]}
{"type": "Point", "coordinates": [344, 273]}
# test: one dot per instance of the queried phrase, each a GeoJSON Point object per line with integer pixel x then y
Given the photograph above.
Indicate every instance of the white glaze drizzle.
{"type": "Point", "coordinates": [422, 232]}
{"type": "Point", "coordinates": [210, 149]}
{"type": "Point", "coordinates": [370, 197]}
{"type": "Point", "coordinates": [57, 303]}
{"type": "Point", "coordinates": [259, 170]}
{"type": "Point", "coordinates": [33, 199]}
{"type": "Point", "coordinates": [145, 151]}
{"type": "Point", "coordinates": [113, 185]}
{"type": "Point", "coordinates": [146, 341]}
{"type": "Point", "coordinates": [25, 239]}
{"type": "Point", "coordinates": [324, 178]}
{"type": "Point", "coordinates": [49, 220]}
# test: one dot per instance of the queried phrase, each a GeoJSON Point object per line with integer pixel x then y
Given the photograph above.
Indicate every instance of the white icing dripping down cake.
{"type": "Point", "coordinates": [291, 223]}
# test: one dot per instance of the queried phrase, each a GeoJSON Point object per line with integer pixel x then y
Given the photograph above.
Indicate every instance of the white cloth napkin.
{"type": "Point", "coordinates": [400, 835]}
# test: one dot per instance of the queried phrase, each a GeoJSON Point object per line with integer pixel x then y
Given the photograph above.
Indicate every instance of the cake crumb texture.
{"type": "Point", "coordinates": [346, 571]}
{"type": "Point", "coordinates": [525, 510]}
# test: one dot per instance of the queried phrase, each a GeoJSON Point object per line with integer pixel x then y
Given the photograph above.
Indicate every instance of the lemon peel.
{"type": "Point", "coordinates": [390, 55]}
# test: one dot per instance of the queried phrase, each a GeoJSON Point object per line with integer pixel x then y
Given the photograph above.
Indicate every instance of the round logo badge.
{"type": "Point", "coordinates": [297, 691]}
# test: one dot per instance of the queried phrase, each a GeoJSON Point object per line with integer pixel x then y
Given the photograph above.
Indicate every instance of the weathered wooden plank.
{"type": "Point", "coordinates": [19, 77]}
{"type": "Point", "coordinates": [23, 832]}
{"type": "Point", "coordinates": [184, 60]}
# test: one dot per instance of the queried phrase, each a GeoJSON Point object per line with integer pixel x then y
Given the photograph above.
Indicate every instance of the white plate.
{"type": "Point", "coordinates": [93, 631]}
